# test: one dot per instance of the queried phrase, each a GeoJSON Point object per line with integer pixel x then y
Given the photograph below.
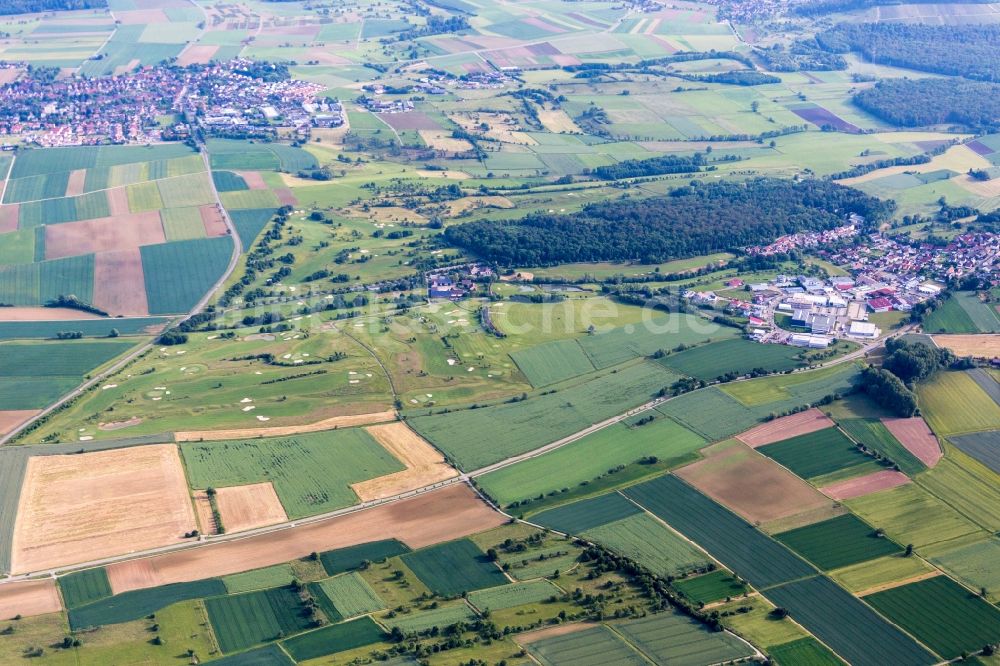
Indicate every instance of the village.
{"type": "Point", "coordinates": [236, 99]}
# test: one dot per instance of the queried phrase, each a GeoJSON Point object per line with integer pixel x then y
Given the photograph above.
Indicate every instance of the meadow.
{"type": "Point", "coordinates": [592, 456]}
{"type": "Point", "coordinates": [353, 557]}
{"type": "Point", "coordinates": [346, 596]}
{"type": "Point", "coordinates": [445, 615]}
{"type": "Point", "coordinates": [706, 588]}
{"type": "Point", "coordinates": [512, 596]}
{"type": "Point", "coordinates": [309, 472]}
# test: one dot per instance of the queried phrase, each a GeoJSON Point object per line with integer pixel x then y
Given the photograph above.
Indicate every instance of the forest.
{"type": "Point", "coordinates": [664, 164]}
{"type": "Point", "coordinates": [30, 6]}
{"type": "Point", "coordinates": [956, 50]}
{"type": "Point", "coordinates": [920, 102]}
{"type": "Point", "coordinates": [689, 221]}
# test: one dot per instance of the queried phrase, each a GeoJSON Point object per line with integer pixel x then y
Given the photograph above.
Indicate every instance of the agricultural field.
{"type": "Point", "coordinates": [820, 453]}
{"type": "Point", "coordinates": [876, 436]}
{"type": "Point", "coordinates": [333, 639]}
{"type": "Point", "coordinates": [733, 356]}
{"type": "Point", "coordinates": [645, 540]}
{"type": "Point", "coordinates": [964, 312]}
{"type": "Point", "coordinates": [589, 647]}
{"type": "Point", "coordinates": [136, 604]}
{"type": "Point", "coordinates": [243, 620]}
{"type": "Point", "coordinates": [346, 596]}
{"type": "Point", "coordinates": [453, 568]}
{"type": "Point", "coordinates": [587, 514]}
{"type": "Point", "coordinates": [307, 471]}
{"type": "Point", "coordinates": [838, 542]}
{"type": "Point", "coordinates": [710, 587]}
{"type": "Point", "coordinates": [670, 638]}
{"type": "Point", "coordinates": [512, 596]}
{"type": "Point", "coordinates": [353, 557]}
{"type": "Point", "coordinates": [953, 403]}
{"type": "Point", "coordinates": [911, 515]}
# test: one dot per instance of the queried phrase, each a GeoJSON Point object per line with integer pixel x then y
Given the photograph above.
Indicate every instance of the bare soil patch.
{"type": "Point", "coordinates": [441, 515]}
{"type": "Point", "coordinates": [246, 507]}
{"type": "Point", "coordinates": [786, 427]}
{"type": "Point", "coordinates": [27, 598]}
{"type": "Point", "coordinates": [197, 54]}
{"type": "Point", "coordinates": [29, 313]}
{"type": "Point", "coordinates": [104, 234]}
{"type": "Point", "coordinates": [558, 121]}
{"type": "Point", "coordinates": [211, 218]}
{"type": "Point", "coordinates": [8, 216]}
{"type": "Point", "coordinates": [74, 186]}
{"type": "Point", "coordinates": [752, 485]}
{"type": "Point", "coordinates": [983, 345]}
{"type": "Point", "coordinates": [140, 16]}
{"type": "Point", "coordinates": [9, 75]}
{"type": "Point", "coordinates": [865, 485]}
{"type": "Point", "coordinates": [253, 179]}
{"type": "Point", "coordinates": [916, 436]}
{"type": "Point", "coordinates": [409, 120]}
{"type": "Point", "coordinates": [284, 431]}
{"type": "Point", "coordinates": [203, 511]}
{"type": "Point", "coordinates": [442, 140]}
{"type": "Point", "coordinates": [118, 201]}
{"type": "Point", "coordinates": [119, 283]}
{"type": "Point", "coordinates": [286, 197]}
{"type": "Point", "coordinates": [120, 425]}
{"type": "Point", "coordinates": [425, 465]}
{"type": "Point", "coordinates": [447, 173]}
{"type": "Point", "coordinates": [529, 637]}
{"type": "Point", "coordinates": [12, 418]}
{"type": "Point", "coordinates": [77, 508]}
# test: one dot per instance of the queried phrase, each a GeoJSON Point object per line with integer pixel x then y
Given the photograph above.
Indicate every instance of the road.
{"type": "Point", "coordinates": [142, 349]}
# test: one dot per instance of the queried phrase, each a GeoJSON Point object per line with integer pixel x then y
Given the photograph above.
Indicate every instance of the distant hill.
{"type": "Point", "coordinates": [31, 6]}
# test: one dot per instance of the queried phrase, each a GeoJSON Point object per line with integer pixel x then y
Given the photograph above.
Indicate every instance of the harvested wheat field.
{"type": "Point", "coordinates": [27, 598]}
{"type": "Point", "coordinates": [786, 427]}
{"type": "Point", "coordinates": [29, 313]}
{"type": "Point", "coordinates": [442, 140]}
{"type": "Point", "coordinates": [860, 486]}
{"type": "Point", "coordinates": [8, 216]}
{"type": "Point", "coordinates": [197, 54]}
{"type": "Point", "coordinates": [983, 345]}
{"type": "Point", "coordinates": [104, 234]}
{"type": "Point", "coordinates": [425, 465]}
{"type": "Point", "coordinates": [246, 507]}
{"type": "Point", "coordinates": [558, 121]}
{"type": "Point", "coordinates": [74, 186]}
{"type": "Point", "coordinates": [434, 517]}
{"type": "Point", "coordinates": [119, 283]}
{"type": "Point", "coordinates": [10, 419]}
{"type": "Point", "coordinates": [203, 510]}
{"type": "Point", "coordinates": [283, 431]}
{"type": "Point", "coordinates": [918, 439]}
{"type": "Point", "coordinates": [78, 508]}
{"type": "Point", "coordinates": [755, 487]}
{"type": "Point", "coordinates": [118, 201]}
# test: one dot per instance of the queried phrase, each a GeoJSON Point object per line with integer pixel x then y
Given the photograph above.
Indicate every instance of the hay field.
{"type": "Point", "coordinates": [76, 508]}
{"type": "Point", "coordinates": [980, 346]}
{"type": "Point", "coordinates": [425, 465]}
{"type": "Point", "coordinates": [249, 506]}
{"type": "Point", "coordinates": [36, 597]}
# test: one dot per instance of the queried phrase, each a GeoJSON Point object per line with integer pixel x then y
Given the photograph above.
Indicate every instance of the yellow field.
{"type": "Point", "coordinates": [956, 158]}
{"type": "Point", "coordinates": [984, 345]}
{"type": "Point", "coordinates": [442, 140]}
{"type": "Point", "coordinates": [558, 121]}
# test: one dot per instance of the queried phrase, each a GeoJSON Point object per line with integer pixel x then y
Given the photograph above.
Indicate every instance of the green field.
{"type": "Point", "coordinates": [672, 638]}
{"type": "Point", "coordinates": [644, 540]}
{"type": "Point", "coordinates": [911, 515]}
{"type": "Point", "coordinates": [182, 223]}
{"type": "Point", "coordinates": [258, 579]}
{"type": "Point", "coordinates": [972, 561]}
{"type": "Point", "coordinates": [310, 473]}
{"type": "Point", "coordinates": [455, 567]}
{"type": "Point", "coordinates": [249, 223]}
{"type": "Point", "coordinates": [747, 551]}
{"type": "Point", "coordinates": [512, 596]}
{"type": "Point", "coordinates": [710, 587]}
{"type": "Point", "coordinates": [963, 312]}
{"type": "Point", "coordinates": [733, 356]}
{"type": "Point", "coordinates": [249, 199]}
{"type": "Point", "coordinates": [227, 181]}
{"type": "Point", "coordinates": [268, 655]}
{"type": "Point", "coordinates": [139, 603]}
{"type": "Point", "coordinates": [444, 615]}
{"type": "Point", "coordinates": [552, 362]}
{"type": "Point", "coordinates": [620, 344]}
{"type": "Point", "coordinates": [942, 614]}
{"type": "Point", "coordinates": [178, 274]}
{"type": "Point", "coordinates": [591, 456]}
{"type": "Point", "coordinates": [587, 514]}
{"type": "Point", "coordinates": [333, 639]}
{"type": "Point", "coordinates": [243, 620]}
{"type": "Point", "coordinates": [353, 557]}
{"type": "Point", "coordinates": [189, 190]}
{"type": "Point", "coordinates": [953, 403]}
{"type": "Point", "coordinates": [97, 328]}
{"type": "Point", "coordinates": [597, 646]}
{"type": "Point", "coordinates": [870, 574]}
{"type": "Point", "coordinates": [346, 596]}
{"type": "Point", "coordinates": [84, 587]}
{"type": "Point", "coordinates": [875, 436]}
{"type": "Point", "coordinates": [817, 453]}
{"type": "Point", "coordinates": [797, 389]}
{"type": "Point", "coordinates": [838, 542]}
{"type": "Point", "coordinates": [847, 625]}
{"type": "Point", "coordinates": [41, 282]}
{"type": "Point", "coordinates": [803, 652]}
{"type": "Point", "coordinates": [712, 413]}
{"type": "Point", "coordinates": [63, 209]}
{"type": "Point", "coordinates": [248, 156]}
{"type": "Point", "coordinates": [966, 486]}
{"type": "Point", "coordinates": [479, 437]}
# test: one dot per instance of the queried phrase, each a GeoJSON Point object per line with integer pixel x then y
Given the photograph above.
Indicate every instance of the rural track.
{"type": "Point", "coordinates": [142, 349]}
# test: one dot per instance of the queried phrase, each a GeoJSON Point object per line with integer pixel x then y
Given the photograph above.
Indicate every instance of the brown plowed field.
{"type": "Point", "coordinates": [10, 419]}
{"type": "Point", "coordinates": [865, 485]}
{"type": "Point", "coordinates": [104, 234]}
{"type": "Point", "coordinates": [983, 345]}
{"type": "Point", "coordinates": [118, 201]}
{"type": "Point", "coordinates": [286, 197]}
{"type": "Point", "coordinates": [33, 597]}
{"type": "Point", "coordinates": [754, 486]}
{"type": "Point", "coordinates": [29, 313]}
{"type": "Point", "coordinates": [246, 507]}
{"type": "Point", "coordinates": [424, 464]}
{"type": "Point", "coordinates": [284, 431]}
{"type": "Point", "coordinates": [530, 637]}
{"type": "Point", "coordinates": [77, 508]}
{"type": "Point", "coordinates": [211, 218]}
{"type": "Point", "coordinates": [74, 186]}
{"type": "Point", "coordinates": [441, 515]}
{"type": "Point", "coordinates": [197, 54]}
{"type": "Point", "coordinates": [794, 425]}
{"type": "Point", "coordinates": [119, 283]}
{"type": "Point", "coordinates": [918, 439]}
{"type": "Point", "coordinates": [203, 510]}
{"type": "Point", "coordinates": [8, 216]}
{"type": "Point", "coordinates": [253, 179]}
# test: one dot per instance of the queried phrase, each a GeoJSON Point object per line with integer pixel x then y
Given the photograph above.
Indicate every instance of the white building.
{"type": "Point", "coordinates": [863, 329]}
{"type": "Point", "coordinates": [811, 341]}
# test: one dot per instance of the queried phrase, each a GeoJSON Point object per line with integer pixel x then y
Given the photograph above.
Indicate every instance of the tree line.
{"type": "Point", "coordinates": [689, 221]}
{"type": "Point", "coordinates": [31, 6]}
